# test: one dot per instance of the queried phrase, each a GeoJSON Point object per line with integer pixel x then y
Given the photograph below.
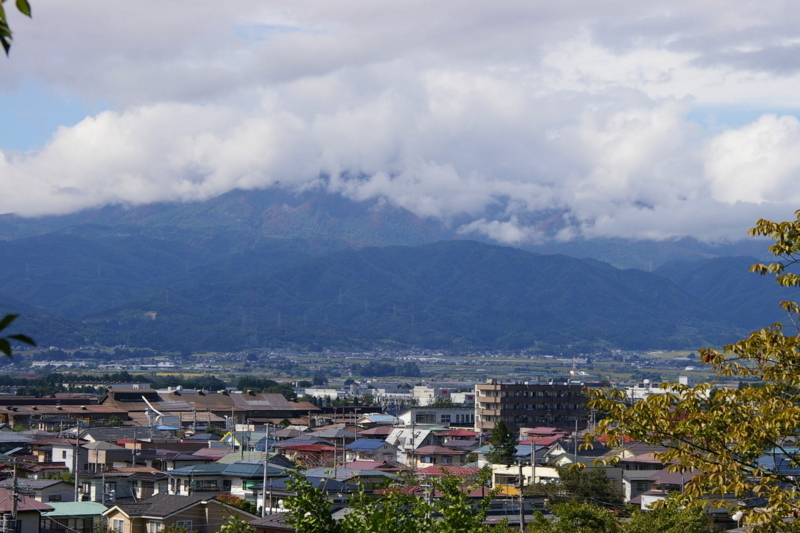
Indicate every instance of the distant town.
{"type": "Point", "coordinates": [132, 440]}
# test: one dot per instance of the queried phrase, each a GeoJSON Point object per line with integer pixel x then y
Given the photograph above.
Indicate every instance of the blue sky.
{"type": "Point", "coordinates": [479, 114]}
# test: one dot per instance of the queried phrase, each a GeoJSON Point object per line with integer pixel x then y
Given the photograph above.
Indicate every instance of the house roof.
{"type": "Point", "coordinates": [160, 505]}
{"type": "Point", "coordinates": [346, 473]}
{"type": "Point", "coordinates": [437, 450]}
{"type": "Point", "coordinates": [368, 445]}
{"type": "Point", "coordinates": [211, 469]}
{"type": "Point", "coordinates": [543, 441]}
{"type": "Point", "coordinates": [24, 503]}
{"type": "Point", "coordinates": [71, 509]}
{"type": "Point", "coordinates": [30, 484]}
{"type": "Point", "coordinates": [665, 477]}
{"type": "Point", "coordinates": [457, 433]}
{"type": "Point", "coordinates": [378, 431]}
{"type": "Point", "coordinates": [273, 521]}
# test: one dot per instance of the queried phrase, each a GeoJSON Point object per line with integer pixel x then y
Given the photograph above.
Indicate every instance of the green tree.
{"type": "Point", "coordinates": [235, 524]}
{"type": "Point", "coordinates": [576, 518]}
{"type": "Point", "coordinates": [667, 521]}
{"type": "Point", "coordinates": [579, 486]}
{"type": "Point", "coordinates": [504, 445]}
{"type": "Point", "coordinates": [452, 511]}
{"type": "Point", "coordinates": [737, 438]}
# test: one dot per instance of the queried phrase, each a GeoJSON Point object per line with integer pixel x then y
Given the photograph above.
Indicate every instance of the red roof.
{"type": "Point", "coordinates": [309, 448]}
{"type": "Point", "coordinates": [23, 503]}
{"type": "Point", "coordinates": [544, 431]}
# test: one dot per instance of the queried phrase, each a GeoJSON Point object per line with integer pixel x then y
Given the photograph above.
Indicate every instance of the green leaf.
{"type": "Point", "coordinates": [5, 347]}
{"type": "Point", "coordinates": [7, 320]}
{"type": "Point", "coordinates": [3, 15]}
{"type": "Point", "coordinates": [24, 7]}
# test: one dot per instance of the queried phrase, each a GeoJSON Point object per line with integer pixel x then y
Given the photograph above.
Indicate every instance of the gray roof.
{"type": "Point", "coordinates": [160, 505]}
{"type": "Point", "coordinates": [30, 484]}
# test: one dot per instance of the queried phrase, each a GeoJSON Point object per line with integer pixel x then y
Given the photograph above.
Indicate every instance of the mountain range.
{"type": "Point", "coordinates": [266, 268]}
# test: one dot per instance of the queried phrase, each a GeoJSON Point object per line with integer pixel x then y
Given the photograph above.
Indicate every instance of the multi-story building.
{"type": "Point", "coordinates": [529, 405]}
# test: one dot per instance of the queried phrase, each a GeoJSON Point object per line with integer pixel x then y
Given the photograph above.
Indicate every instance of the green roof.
{"type": "Point", "coordinates": [75, 509]}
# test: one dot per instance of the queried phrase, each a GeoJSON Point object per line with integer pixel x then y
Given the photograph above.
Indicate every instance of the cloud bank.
{"type": "Point", "coordinates": [494, 118]}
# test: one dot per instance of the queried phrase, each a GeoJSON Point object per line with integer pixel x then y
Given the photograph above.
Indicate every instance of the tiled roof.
{"type": "Point", "coordinates": [437, 450]}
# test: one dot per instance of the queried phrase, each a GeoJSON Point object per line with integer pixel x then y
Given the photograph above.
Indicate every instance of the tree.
{"type": "Point", "coordinates": [394, 511]}
{"type": "Point", "coordinates": [738, 439]}
{"type": "Point", "coordinates": [235, 524]}
{"type": "Point", "coordinates": [667, 521]}
{"type": "Point", "coordinates": [5, 31]}
{"type": "Point", "coordinates": [579, 486]}
{"type": "Point", "coordinates": [576, 518]}
{"type": "Point", "coordinates": [504, 445]}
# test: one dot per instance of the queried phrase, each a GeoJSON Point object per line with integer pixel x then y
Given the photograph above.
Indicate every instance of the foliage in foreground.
{"type": "Point", "coordinates": [738, 441]}
{"type": "Point", "coordinates": [393, 511]}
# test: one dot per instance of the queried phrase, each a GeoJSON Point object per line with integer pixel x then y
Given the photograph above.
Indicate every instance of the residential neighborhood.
{"type": "Point", "coordinates": [194, 458]}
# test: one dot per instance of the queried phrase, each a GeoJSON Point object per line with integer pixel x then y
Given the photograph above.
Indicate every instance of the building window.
{"type": "Point", "coordinates": [63, 454]}
{"type": "Point", "coordinates": [445, 419]}
{"type": "Point", "coordinates": [54, 498]}
{"type": "Point", "coordinates": [226, 485]}
{"type": "Point", "coordinates": [118, 525]}
{"type": "Point", "coordinates": [186, 524]}
{"type": "Point", "coordinates": [154, 526]}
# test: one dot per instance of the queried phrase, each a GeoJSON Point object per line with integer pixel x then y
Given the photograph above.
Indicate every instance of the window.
{"type": "Point", "coordinates": [445, 419]}
{"type": "Point", "coordinates": [154, 526]}
{"type": "Point", "coordinates": [186, 524]}
{"type": "Point", "coordinates": [118, 525]}
{"type": "Point", "coordinates": [63, 454]}
{"type": "Point", "coordinates": [447, 460]}
{"type": "Point", "coordinates": [54, 498]}
{"type": "Point", "coordinates": [226, 485]}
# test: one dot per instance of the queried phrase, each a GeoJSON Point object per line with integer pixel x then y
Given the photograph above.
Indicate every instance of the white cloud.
{"type": "Point", "coordinates": [500, 114]}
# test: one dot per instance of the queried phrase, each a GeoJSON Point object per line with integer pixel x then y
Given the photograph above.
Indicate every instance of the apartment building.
{"type": "Point", "coordinates": [529, 404]}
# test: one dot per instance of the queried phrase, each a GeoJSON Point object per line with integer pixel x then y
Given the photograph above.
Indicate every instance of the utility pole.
{"type": "Point", "coordinates": [521, 500]}
{"type": "Point", "coordinates": [75, 462]}
{"type": "Point", "coordinates": [264, 482]}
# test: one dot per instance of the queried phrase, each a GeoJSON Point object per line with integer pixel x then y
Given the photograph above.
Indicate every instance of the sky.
{"type": "Point", "coordinates": [506, 119]}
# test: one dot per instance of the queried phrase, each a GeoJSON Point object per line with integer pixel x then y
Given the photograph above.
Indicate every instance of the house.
{"type": "Point", "coordinates": [434, 456]}
{"type": "Point", "coordinates": [371, 450]}
{"type": "Point", "coordinates": [28, 512]}
{"type": "Point", "coordinates": [42, 490]}
{"type": "Point", "coordinates": [209, 480]}
{"type": "Point", "coordinates": [195, 513]}
{"type": "Point", "coordinates": [73, 517]}
{"type": "Point", "coordinates": [440, 416]}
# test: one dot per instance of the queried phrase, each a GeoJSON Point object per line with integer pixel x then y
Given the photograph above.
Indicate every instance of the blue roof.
{"type": "Point", "coordinates": [367, 445]}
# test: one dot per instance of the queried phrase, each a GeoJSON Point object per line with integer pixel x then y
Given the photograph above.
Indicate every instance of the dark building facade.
{"type": "Point", "coordinates": [529, 404]}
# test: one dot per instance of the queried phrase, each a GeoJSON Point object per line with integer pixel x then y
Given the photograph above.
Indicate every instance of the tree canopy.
{"type": "Point", "coordinates": [738, 442]}
{"type": "Point", "coordinates": [504, 445]}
